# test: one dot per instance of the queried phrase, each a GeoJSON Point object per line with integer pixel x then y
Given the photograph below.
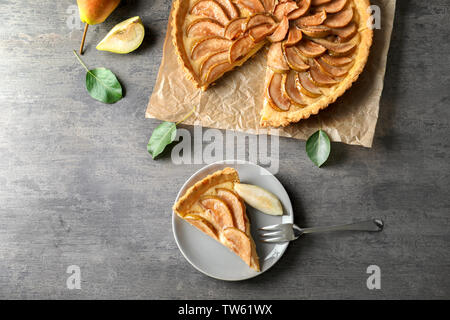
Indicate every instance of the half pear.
{"type": "Point", "coordinates": [125, 37]}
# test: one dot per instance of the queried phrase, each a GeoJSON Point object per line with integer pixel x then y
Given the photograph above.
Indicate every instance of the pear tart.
{"type": "Point", "coordinates": [212, 206]}
{"type": "Point", "coordinates": [317, 48]}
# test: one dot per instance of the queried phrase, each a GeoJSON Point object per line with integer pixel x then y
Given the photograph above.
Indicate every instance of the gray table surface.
{"type": "Point", "coordinates": [77, 186]}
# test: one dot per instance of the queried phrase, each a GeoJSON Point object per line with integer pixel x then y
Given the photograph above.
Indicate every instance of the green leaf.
{"type": "Point", "coordinates": [318, 147]}
{"type": "Point", "coordinates": [103, 85]}
{"type": "Point", "coordinates": [163, 135]}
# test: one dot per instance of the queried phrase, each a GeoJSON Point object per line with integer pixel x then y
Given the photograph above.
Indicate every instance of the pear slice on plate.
{"type": "Point", "coordinates": [125, 37]}
{"type": "Point", "coordinates": [259, 198]}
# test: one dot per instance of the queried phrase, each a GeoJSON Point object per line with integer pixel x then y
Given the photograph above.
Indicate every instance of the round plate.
{"type": "Point", "coordinates": [211, 257]}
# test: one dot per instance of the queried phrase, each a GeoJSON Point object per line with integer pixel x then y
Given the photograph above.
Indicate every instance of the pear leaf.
{"type": "Point", "coordinates": [318, 147]}
{"type": "Point", "coordinates": [163, 135]}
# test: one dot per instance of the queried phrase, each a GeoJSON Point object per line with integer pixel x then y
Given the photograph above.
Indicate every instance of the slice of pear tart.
{"type": "Point", "coordinates": [212, 206]}
{"type": "Point", "coordinates": [317, 48]}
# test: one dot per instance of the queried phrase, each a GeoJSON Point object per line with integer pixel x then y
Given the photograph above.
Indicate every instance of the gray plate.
{"type": "Point", "coordinates": [212, 258]}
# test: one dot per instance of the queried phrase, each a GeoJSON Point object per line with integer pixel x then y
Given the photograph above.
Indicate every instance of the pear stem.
{"type": "Point", "coordinates": [84, 38]}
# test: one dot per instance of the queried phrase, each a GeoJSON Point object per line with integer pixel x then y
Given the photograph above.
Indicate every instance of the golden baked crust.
{"type": "Point", "coordinates": [272, 114]}
{"type": "Point", "coordinates": [189, 206]}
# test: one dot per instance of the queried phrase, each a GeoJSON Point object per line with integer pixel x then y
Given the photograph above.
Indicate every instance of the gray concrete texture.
{"type": "Point", "coordinates": [77, 186]}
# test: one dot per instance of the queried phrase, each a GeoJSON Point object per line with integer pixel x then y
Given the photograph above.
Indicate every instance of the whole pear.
{"type": "Point", "coordinates": [96, 11]}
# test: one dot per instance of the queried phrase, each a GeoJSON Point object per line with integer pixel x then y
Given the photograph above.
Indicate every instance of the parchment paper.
{"type": "Point", "coordinates": [235, 101]}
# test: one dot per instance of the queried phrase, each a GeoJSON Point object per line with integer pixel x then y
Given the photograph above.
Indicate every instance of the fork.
{"type": "Point", "coordinates": [289, 231]}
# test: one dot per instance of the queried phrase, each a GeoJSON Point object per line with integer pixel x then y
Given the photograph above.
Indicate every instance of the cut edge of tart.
{"type": "Point", "coordinates": [212, 206]}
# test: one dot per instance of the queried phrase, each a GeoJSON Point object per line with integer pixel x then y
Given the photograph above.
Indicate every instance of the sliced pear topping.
{"type": "Point", "coordinates": [230, 8]}
{"type": "Point", "coordinates": [209, 45]}
{"type": "Point", "coordinates": [220, 211]}
{"type": "Point", "coordinates": [341, 19]}
{"type": "Point", "coordinates": [217, 71]}
{"type": "Point", "coordinates": [332, 70]}
{"type": "Point", "coordinates": [202, 224]}
{"type": "Point", "coordinates": [254, 6]}
{"type": "Point", "coordinates": [204, 27]}
{"type": "Point", "coordinates": [313, 20]}
{"type": "Point", "coordinates": [210, 9]}
{"type": "Point", "coordinates": [336, 61]}
{"type": "Point", "coordinates": [316, 31]}
{"type": "Point", "coordinates": [320, 78]}
{"type": "Point", "coordinates": [303, 7]}
{"type": "Point", "coordinates": [240, 48]}
{"type": "Point", "coordinates": [334, 6]}
{"type": "Point", "coordinates": [290, 89]}
{"type": "Point", "coordinates": [284, 8]}
{"type": "Point", "coordinates": [310, 49]}
{"type": "Point", "coordinates": [269, 5]}
{"type": "Point", "coordinates": [294, 36]}
{"type": "Point", "coordinates": [275, 58]}
{"type": "Point", "coordinates": [259, 19]}
{"type": "Point", "coordinates": [281, 31]}
{"type": "Point", "coordinates": [236, 205]}
{"type": "Point", "coordinates": [125, 37]}
{"type": "Point", "coordinates": [306, 86]}
{"type": "Point", "coordinates": [260, 32]}
{"type": "Point", "coordinates": [347, 32]}
{"type": "Point", "coordinates": [212, 60]}
{"type": "Point", "coordinates": [235, 28]}
{"type": "Point", "coordinates": [277, 100]}
{"type": "Point", "coordinates": [337, 48]}
{"type": "Point", "coordinates": [239, 243]}
{"type": "Point", "coordinates": [294, 59]}
{"type": "Point", "coordinates": [259, 198]}
{"type": "Point", "coordinates": [320, 2]}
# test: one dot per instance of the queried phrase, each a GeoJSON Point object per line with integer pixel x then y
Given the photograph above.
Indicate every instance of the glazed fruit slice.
{"type": "Point", "coordinates": [303, 7]}
{"type": "Point", "coordinates": [236, 206]}
{"type": "Point", "coordinates": [347, 32]}
{"type": "Point", "coordinates": [204, 27]}
{"type": "Point", "coordinates": [260, 32]}
{"type": "Point", "coordinates": [306, 86]}
{"type": "Point", "coordinates": [217, 71]}
{"type": "Point", "coordinates": [294, 59]}
{"type": "Point", "coordinates": [202, 224]}
{"type": "Point", "coordinates": [213, 60]}
{"type": "Point", "coordinates": [229, 7]}
{"type": "Point", "coordinates": [240, 48]}
{"type": "Point", "coordinates": [281, 31]}
{"type": "Point", "coordinates": [334, 6]}
{"type": "Point", "coordinates": [332, 70]}
{"type": "Point", "coordinates": [210, 9]}
{"type": "Point", "coordinates": [320, 78]}
{"type": "Point", "coordinates": [209, 45]}
{"type": "Point", "coordinates": [316, 31]}
{"type": "Point", "coordinates": [254, 6]}
{"type": "Point", "coordinates": [336, 61]}
{"type": "Point", "coordinates": [275, 58]}
{"type": "Point", "coordinates": [341, 19]}
{"type": "Point", "coordinates": [238, 242]}
{"type": "Point", "coordinates": [313, 20]}
{"type": "Point", "coordinates": [219, 208]}
{"type": "Point", "coordinates": [259, 19]}
{"type": "Point", "coordinates": [319, 2]}
{"type": "Point", "coordinates": [235, 28]}
{"type": "Point", "coordinates": [337, 48]}
{"type": "Point", "coordinates": [310, 49]}
{"type": "Point", "coordinates": [294, 36]}
{"type": "Point", "coordinates": [276, 98]}
{"type": "Point", "coordinates": [269, 5]}
{"type": "Point", "coordinates": [290, 89]}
